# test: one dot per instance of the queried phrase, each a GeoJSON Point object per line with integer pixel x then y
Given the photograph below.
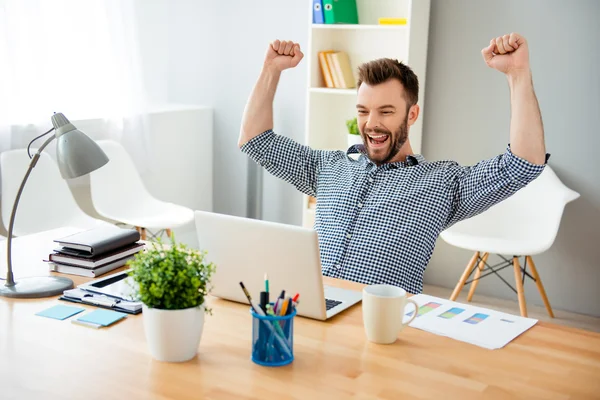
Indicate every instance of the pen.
{"type": "Point", "coordinates": [264, 300]}
{"type": "Point", "coordinates": [277, 306]}
{"type": "Point", "coordinates": [246, 293]}
{"type": "Point", "coordinates": [266, 283]}
{"type": "Point", "coordinates": [284, 307]}
{"type": "Point", "coordinates": [255, 306]}
{"type": "Point", "coordinates": [282, 295]}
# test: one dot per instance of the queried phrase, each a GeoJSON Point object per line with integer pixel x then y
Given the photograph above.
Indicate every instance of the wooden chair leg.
{"type": "Point", "coordinates": [520, 290]}
{"type": "Point", "coordinates": [464, 276]}
{"type": "Point", "coordinates": [477, 275]}
{"type": "Point", "coordinates": [540, 287]}
{"type": "Point", "coordinates": [169, 233]}
{"type": "Point", "coordinates": [143, 233]}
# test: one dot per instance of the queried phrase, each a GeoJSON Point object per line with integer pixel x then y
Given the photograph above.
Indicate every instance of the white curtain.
{"type": "Point", "coordinates": [78, 57]}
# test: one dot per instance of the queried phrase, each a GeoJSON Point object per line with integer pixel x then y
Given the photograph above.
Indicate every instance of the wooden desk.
{"type": "Point", "coordinates": [41, 358]}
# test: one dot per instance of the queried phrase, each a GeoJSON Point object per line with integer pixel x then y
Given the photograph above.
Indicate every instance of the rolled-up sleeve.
{"type": "Point", "coordinates": [287, 159]}
{"type": "Point", "coordinates": [476, 188]}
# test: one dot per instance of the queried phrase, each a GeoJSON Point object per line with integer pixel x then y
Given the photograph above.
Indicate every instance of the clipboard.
{"type": "Point", "coordinates": [100, 300]}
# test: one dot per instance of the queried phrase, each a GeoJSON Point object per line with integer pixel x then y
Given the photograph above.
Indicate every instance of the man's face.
{"type": "Point", "coordinates": [382, 119]}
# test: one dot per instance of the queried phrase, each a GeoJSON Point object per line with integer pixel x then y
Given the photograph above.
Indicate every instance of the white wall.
{"type": "Point", "coordinates": [212, 56]}
{"type": "Point", "coordinates": [468, 114]}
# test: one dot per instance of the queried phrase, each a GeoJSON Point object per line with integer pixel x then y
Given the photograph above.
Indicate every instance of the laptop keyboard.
{"type": "Point", "coordinates": [329, 304]}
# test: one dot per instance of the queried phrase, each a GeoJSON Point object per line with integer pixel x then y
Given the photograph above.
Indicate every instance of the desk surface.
{"type": "Point", "coordinates": [50, 359]}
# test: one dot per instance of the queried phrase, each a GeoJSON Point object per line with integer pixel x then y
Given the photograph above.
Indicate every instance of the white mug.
{"type": "Point", "coordinates": [383, 312]}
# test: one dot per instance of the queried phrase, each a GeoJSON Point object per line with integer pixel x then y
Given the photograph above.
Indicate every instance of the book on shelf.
{"type": "Point", "coordinates": [97, 241]}
{"type": "Point", "coordinates": [318, 12]}
{"type": "Point", "coordinates": [89, 272]}
{"type": "Point", "coordinates": [336, 69]}
{"type": "Point", "coordinates": [340, 11]}
{"type": "Point", "coordinates": [97, 261]}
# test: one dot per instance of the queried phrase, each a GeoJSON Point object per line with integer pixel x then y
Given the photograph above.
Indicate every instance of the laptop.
{"type": "Point", "coordinates": [245, 249]}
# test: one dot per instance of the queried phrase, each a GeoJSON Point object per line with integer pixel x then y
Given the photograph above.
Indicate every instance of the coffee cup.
{"type": "Point", "coordinates": [383, 308]}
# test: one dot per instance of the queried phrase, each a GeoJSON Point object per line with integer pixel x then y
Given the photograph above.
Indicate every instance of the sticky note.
{"type": "Point", "coordinates": [60, 312]}
{"type": "Point", "coordinates": [100, 318]}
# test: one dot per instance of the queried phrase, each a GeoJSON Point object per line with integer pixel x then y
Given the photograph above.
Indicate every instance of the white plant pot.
{"type": "Point", "coordinates": [354, 139]}
{"type": "Point", "coordinates": [173, 335]}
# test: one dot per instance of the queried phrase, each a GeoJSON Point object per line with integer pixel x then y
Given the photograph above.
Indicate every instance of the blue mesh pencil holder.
{"type": "Point", "coordinates": [273, 339]}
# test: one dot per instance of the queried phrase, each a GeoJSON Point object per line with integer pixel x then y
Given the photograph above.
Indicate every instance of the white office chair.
{"type": "Point", "coordinates": [46, 203]}
{"type": "Point", "coordinates": [118, 193]}
{"type": "Point", "coordinates": [525, 224]}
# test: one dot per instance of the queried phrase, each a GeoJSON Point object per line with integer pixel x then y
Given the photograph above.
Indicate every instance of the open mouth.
{"type": "Point", "coordinates": [378, 140]}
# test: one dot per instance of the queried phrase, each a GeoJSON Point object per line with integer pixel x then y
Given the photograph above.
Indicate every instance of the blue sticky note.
{"type": "Point", "coordinates": [101, 317]}
{"type": "Point", "coordinates": [60, 312]}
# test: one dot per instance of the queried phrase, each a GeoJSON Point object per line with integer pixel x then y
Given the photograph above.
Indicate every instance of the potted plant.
{"type": "Point", "coordinates": [353, 132]}
{"type": "Point", "coordinates": [172, 281]}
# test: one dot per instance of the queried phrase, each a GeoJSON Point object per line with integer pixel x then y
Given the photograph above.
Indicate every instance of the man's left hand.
{"type": "Point", "coordinates": [508, 54]}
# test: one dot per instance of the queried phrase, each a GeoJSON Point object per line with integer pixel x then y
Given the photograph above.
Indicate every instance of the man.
{"type": "Point", "coordinates": [378, 217]}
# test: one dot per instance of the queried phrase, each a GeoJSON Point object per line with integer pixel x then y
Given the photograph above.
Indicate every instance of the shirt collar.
{"type": "Point", "coordinates": [360, 149]}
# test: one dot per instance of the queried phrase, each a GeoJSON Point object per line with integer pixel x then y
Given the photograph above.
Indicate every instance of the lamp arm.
{"type": "Point", "coordinates": [10, 280]}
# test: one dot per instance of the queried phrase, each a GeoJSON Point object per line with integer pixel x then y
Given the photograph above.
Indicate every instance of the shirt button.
{"type": "Point", "coordinates": [348, 235]}
{"type": "Point", "coordinates": [336, 266]}
{"type": "Point", "coordinates": [371, 180]}
{"type": "Point", "coordinates": [359, 205]}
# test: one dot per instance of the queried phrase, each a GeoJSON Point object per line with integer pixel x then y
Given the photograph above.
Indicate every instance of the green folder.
{"type": "Point", "coordinates": [340, 12]}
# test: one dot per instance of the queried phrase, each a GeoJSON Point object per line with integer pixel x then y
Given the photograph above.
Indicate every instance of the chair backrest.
{"type": "Point", "coordinates": [46, 202]}
{"type": "Point", "coordinates": [532, 214]}
{"type": "Point", "coordinates": [117, 184]}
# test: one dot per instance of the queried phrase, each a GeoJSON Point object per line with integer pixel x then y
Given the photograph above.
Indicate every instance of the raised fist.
{"type": "Point", "coordinates": [283, 55]}
{"type": "Point", "coordinates": [508, 54]}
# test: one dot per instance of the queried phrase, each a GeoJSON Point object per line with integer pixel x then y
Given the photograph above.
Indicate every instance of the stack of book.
{"type": "Point", "coordinates": [336, 69]}
{"type": "Point", "coordinates": [95, 252]}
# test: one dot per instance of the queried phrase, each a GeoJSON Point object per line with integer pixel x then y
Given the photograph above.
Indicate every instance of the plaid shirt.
{"type": "Point", "coordinates": [379, 224]}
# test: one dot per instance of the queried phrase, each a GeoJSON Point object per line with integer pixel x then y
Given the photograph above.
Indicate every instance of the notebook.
{"type": "Point", "coordinates": [89, 272]}
{"type": "Point", "coordinates": [99, 318]}
{"type": "Point", "coordinates": [96, 241]}
{"type": "Point", "coordinates": [97, 261]}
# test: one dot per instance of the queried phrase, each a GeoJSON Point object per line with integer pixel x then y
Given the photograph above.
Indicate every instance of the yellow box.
{"type": "Point", "coordinates": [392, 21]}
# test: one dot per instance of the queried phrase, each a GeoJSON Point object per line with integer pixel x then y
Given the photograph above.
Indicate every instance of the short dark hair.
{"type": "Point", "coordinates": [383, 69]}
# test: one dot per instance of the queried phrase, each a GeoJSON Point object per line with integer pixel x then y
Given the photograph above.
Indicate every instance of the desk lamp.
{"type": "Point", "coordinates": [77, 155]}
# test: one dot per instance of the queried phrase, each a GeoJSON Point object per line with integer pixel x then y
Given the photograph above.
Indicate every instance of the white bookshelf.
{"type": "Point", "coordinates": [328, 109]}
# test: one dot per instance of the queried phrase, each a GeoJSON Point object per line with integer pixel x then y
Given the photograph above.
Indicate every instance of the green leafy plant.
{"type": "Point", "coordinates": [352, 126]}
{"type": "Point", "coordinates": [171, 277]}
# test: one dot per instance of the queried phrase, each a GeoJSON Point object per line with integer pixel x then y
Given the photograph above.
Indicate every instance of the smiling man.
{"type": "Point", "coordinates": [378, 217]}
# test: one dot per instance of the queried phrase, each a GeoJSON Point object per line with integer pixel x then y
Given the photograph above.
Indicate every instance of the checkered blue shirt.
{"type": "Point", "coordinates": [379, 224]}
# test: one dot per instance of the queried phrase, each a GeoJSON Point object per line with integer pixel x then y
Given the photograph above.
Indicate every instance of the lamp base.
{"type": "Point", "coordinates": [42, 286]}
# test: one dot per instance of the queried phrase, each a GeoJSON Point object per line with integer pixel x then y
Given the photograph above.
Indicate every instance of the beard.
{"type": "Point", "coordinates": [394, 143]}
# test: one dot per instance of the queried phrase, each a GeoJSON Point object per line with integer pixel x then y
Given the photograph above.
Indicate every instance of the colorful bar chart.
{"type": "Point", "coordinates": [476, 318]}
{"type": "Point", "coordinates": [425, 308]}
{"type": "Point", "coordinates": [451, 313]}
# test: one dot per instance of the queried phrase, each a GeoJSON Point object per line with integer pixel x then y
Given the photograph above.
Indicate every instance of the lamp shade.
{"type": "Point", "coordinates": [76, 153]}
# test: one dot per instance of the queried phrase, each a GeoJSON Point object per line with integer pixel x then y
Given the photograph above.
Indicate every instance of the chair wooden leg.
{"type": "Point", "coordinates": [143, 233]}
{"type": "Point", "coordinates": [477, 275]}
{"type": "Point", "coordinates": [520, 290]}
{"type": "Point", "coordinates": [169, 233]}
{"type": "Point", "coordinates": [464, 276]}
{"type": "Point", "coordinates": [540, 287]}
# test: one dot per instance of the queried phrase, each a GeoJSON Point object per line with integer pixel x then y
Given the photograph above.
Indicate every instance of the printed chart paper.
{"type": "Point", "coordinates": [479, 326]}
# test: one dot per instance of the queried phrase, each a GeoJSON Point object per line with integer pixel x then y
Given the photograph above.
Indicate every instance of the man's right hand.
{"type": "Point", "coordinates": [283, 55]}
